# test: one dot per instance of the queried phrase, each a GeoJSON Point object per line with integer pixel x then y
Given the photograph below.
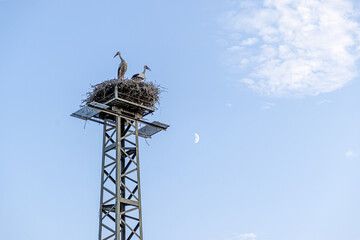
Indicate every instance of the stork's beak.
{"type": "Point", "coordinates": [148, 68]}
{"type": "Point", "coordinates": [116, 54]}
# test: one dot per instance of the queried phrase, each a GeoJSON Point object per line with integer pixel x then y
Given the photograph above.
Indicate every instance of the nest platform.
{"type": "Point", "coordinates": [125, 98]}
{"type": "Point", "coordinates": [126, 95]}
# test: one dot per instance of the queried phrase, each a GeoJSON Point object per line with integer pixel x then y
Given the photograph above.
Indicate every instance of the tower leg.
{"type": "Point", "coordinates": [120, 198]}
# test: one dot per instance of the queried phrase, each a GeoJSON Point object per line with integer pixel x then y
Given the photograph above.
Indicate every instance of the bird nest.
{"type": "Point", "coordinates": [139, 92]}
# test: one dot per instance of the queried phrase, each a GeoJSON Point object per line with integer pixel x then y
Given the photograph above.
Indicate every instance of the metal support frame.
{"type": "Point", "coordinates": [120, 198]}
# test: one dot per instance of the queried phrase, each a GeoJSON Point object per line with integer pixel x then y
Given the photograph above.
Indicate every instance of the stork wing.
{"type": "Point", "coordinates": [135, 76]}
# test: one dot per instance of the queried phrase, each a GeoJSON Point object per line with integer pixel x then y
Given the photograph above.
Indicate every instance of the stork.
{"type": "Point", "coordinates": [140, 76]}
{"type": "Point", "coordinates": [122, 67]}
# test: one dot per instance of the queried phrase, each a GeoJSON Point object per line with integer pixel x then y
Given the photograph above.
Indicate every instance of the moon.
{"type": "Point", "coordinates": [197, 138]}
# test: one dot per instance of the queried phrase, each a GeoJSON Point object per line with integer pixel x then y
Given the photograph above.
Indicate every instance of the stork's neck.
{"type": "Point", "coordinates": [144, 71]}
{"type": "Point", "coordinates": [121, 58]}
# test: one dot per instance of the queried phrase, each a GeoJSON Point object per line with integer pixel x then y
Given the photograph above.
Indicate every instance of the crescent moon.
{"type": "Point", "coordinates": [197, 138]}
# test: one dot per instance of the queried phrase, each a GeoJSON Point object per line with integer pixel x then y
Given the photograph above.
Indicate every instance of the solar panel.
{"type": "Point", "coordinates": [88, 112]}
{"type": "Point", "coordinates": [85, 113]}
{"type": "Point", "coordinates": [149, 130]}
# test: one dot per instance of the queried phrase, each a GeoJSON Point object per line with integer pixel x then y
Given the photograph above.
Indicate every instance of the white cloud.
{"type": "Point", "coordinates": [247, 81]}
{"type": "Point", "coordinates": [349, 154]}
{"type": "Point", "coordinates": [268, 105]}
{"type": "Point", "coordinates": [245, 236]}
{"type": "Point", "coordinates": [234, 48]}
{"type": "Point", "coordinates": [302, 47]}
{"type": "Point", "coordinates": [325, 101]}
{"type": "Point", "coordinates": [249, 41]}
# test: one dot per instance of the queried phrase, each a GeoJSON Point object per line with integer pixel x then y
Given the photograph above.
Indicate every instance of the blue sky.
{"type": "Point", "coordinates": [272, 88]}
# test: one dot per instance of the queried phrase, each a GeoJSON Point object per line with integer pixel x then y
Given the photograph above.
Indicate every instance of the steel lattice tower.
{"type": "Point", "coordinates": [120, 196]}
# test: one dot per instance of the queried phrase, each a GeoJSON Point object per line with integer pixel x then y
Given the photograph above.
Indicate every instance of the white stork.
{"type": "Point", "coordinates": [140, 76]}
{"type": "Point", "coordinates": [122, 67]}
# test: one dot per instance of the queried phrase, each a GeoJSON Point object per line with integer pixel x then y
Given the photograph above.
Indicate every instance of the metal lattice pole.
{"type": "Point", "coordinates": [120, 198]}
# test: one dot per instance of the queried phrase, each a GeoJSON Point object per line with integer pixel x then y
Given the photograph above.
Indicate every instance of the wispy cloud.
{"type": "Point", "coordinates": [325, 101]}
{"type": "Point", "coordinates": [268, 105]}
{"type": "Point", "coordinates": [349, 154]}
{"type": "Point", "coordinates": [249, 41]}
{"type": "Point", "coordinates": [292, 47]}
{"type": "Point", "coordinates": [245, 236]}
{"type": "Point", "coordinates": [247, 81]}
